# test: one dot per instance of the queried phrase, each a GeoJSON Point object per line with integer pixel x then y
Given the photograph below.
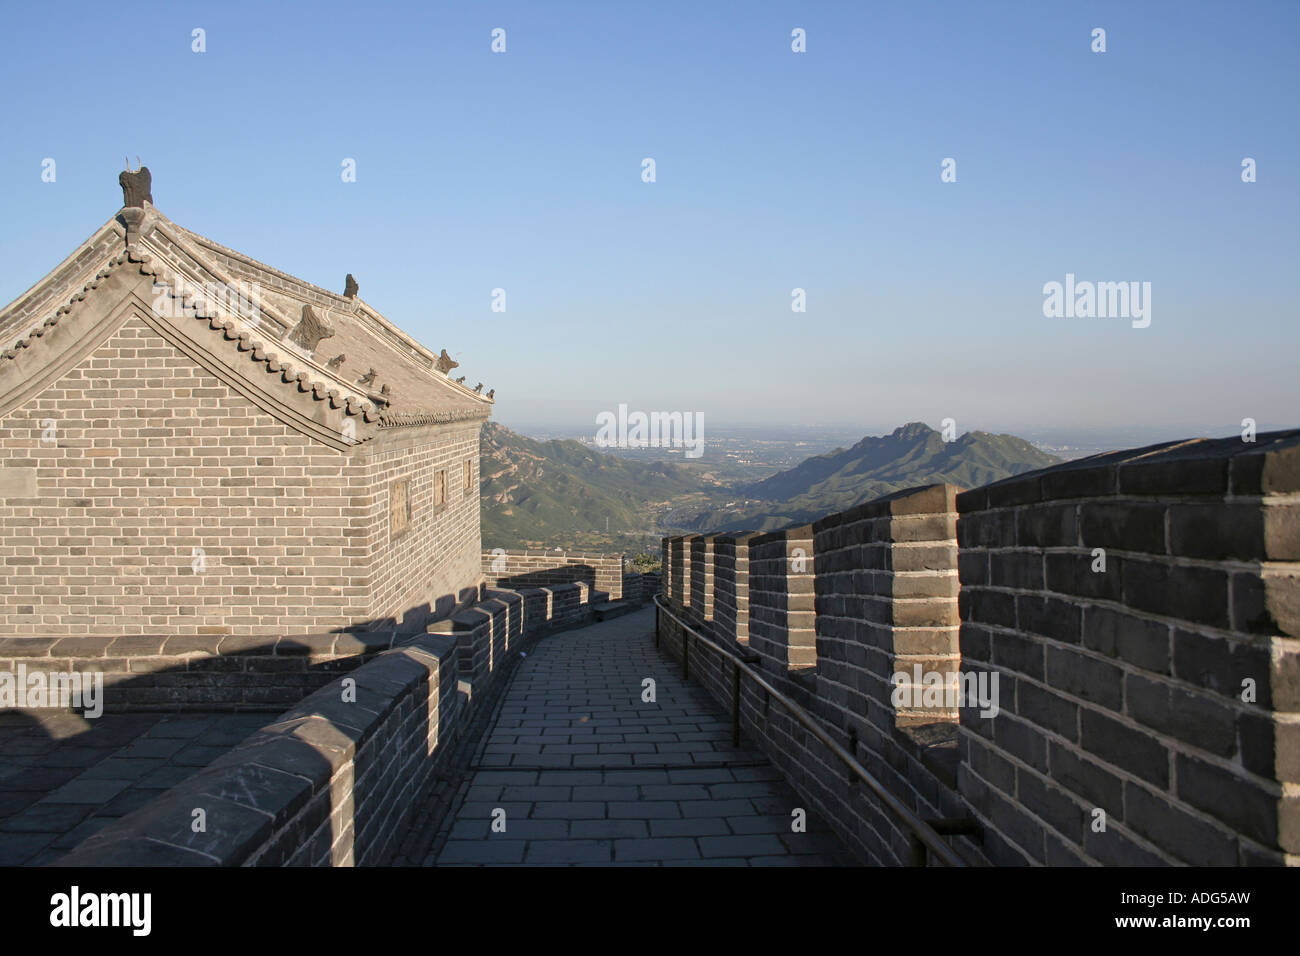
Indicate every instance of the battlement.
{"type": "Point", "coordinates": [335, 779]}
{"type": "Point", "coordinates": [602, 573]}
{"type": "Point", "coordinates": [1134, 618]}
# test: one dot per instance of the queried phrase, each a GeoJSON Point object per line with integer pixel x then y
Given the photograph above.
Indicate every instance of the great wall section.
{"type": "Point", "coordinates": [1135, 615]}
{"type": "Point", "coordinates": [1140, 611]}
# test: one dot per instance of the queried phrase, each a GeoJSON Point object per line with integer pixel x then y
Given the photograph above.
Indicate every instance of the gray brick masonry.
{"type": "Point", "coordinates": [1146, 703]}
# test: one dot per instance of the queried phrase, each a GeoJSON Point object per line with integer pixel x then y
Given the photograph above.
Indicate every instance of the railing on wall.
{"type": "Point", "coordinates": [925, 836]}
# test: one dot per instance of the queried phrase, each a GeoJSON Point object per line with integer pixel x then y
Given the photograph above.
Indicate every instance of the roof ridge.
{"type": "Point", "coordinates": [186, 263]}
{"type": "Point", "coordinates": [355, 306]}
{"type": "Point", "coordinates": [236, 254]}
{"type": "Point", "coordinates": [429, 418]}
{"type": "Point", "coordinates": [28, 340]}
{"type": "Point", "coordinates": [193, 307]}
{"type": "Point", "coordinates": [244, 342]}
{"type": "Point", "coordinates": [69, 260]}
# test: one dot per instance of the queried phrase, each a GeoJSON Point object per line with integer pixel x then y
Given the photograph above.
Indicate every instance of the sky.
{"type": "Point", "coordinates": [775, 170]}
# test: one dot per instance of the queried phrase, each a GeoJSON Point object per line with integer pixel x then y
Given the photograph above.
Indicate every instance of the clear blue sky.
{"type": "Point", "coordinates": [775, 170]}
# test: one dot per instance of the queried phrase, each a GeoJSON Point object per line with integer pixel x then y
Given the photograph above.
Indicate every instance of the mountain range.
{"type": "Point", "coordinates": [560, 493]}
{"type": "Point", "coordinates": [913, 454]}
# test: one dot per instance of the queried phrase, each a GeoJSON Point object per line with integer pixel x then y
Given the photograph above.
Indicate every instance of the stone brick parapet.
{"type": "Point", "coordinates": [602, 573]}
{"type": "Point", "coordinates": [731, 587]}
{"type": "Point", "coordinates": [332, 780]}
{"type": "Point", "coordinates": [329, 783]}
{"type": "Point", "coordinates": [1135, 618]}
{"type": "Point", "coordinates": [1142, 611]}
{"type": "Point", "coordinates": [187, 672]}
{"type": "Point", "coordinates": [781, 605]}
{"type": "Point", "coordinates": [828, 613]}
{"type": "Point", "coordinates": [886, 586]}
{"type": "Point", "coordinates": [702, 591]}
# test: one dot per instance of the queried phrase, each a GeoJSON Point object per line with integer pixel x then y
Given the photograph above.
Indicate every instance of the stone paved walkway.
{"type": "Point", "coordinates": [63, 777]}
{"type": "Point", "coordinates": [586, 773]}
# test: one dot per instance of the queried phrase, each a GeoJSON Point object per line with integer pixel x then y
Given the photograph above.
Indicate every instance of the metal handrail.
{"type": "Point", "coordinates": [922, 833]}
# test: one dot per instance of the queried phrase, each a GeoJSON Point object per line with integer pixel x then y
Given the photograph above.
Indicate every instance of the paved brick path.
{"type": "Point", "coordinates": [589, 774]}
{"type": "Point", "coordinates": [63, 777]}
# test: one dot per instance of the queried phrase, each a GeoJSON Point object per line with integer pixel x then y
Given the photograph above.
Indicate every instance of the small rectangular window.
{"type": "Point", "coordinates": [439, 488]}
{"type": "Point", "coordinates": [469, 475]}
{"type": "Point", "coordinates": [399, 509]}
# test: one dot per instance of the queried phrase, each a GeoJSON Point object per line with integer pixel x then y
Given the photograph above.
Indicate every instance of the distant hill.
{"type": "Point", "coordinates": [560, 493]}
{"type": "Point", "coordinates": [911, 455]}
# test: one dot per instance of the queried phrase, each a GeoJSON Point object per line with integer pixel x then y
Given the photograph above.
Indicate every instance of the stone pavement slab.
{"type": "Point", "coordinates": [578, 769]}
{"type": "Point", "coordinates": [64, 777]}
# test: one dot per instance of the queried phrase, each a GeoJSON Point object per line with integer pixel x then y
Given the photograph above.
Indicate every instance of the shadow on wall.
{"type": "Point", "coordinates": [567, 574]}
{"type": "Point", "coordinates": [318, 784]}
{"type": "Point", "coordinates": [415, 619]}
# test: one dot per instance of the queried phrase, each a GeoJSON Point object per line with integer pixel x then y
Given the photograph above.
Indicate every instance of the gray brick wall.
{"type": "Point", "coordinates": [332, 781]}
{"type": "Point", "coordinates": [886, 587]}
{"type": "Point", "coordinates": [602, 573]}
{"type": "Point", "coordinates": [1123, 685]}
{"type": "Point", "coordinates": [831, 610]}
{"type": "Point", "coordinates": [701, 576]}
{"type": "Point", "coordinates": [156, 468]}
{"type": "Point", "coordinates": [782, 631]}
{"type": "Point", "coordinates": [1120, 691]}
{"type": "Point", "coordinates": [731, 587]}
{"type": "Point", "coordinates": [200, 673]}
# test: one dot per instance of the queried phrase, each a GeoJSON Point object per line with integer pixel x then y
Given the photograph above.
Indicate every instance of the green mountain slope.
{"type": "Point", "coordinates": [561, 493]}
{"type": "Point", "coordinates": [912, 455]}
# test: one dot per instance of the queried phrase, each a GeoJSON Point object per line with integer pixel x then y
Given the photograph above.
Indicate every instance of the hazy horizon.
{"type": "Point", "coordinates": [573, 428]}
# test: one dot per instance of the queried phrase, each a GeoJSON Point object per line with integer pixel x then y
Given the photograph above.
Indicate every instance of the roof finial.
{"type": "Point", "coordinates": [137, 185]}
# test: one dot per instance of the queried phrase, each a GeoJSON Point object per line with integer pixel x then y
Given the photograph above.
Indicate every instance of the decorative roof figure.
{"type": "Point", "coordinates": [309, 330]}
{"type": "Point", "coordinates": [445, 363]}
{"type": "Point", "coordinates": [350, 287]}
{"type": "Point", "coordinates": [137, 186]}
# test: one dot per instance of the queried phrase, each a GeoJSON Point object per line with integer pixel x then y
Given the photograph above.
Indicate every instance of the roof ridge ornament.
{"type": "Point", "coordinates": [445, 363]}
{"type": "Point", "coordinates": [309, 330]}
{"type": "Point", "coordinates": [137, 185]}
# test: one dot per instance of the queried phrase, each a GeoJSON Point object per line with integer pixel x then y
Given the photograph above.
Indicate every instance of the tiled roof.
{"type": "Point", "coordinates": [414, 391]}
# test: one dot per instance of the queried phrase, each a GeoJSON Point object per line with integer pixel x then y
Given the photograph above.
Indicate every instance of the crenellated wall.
{"type": "Point", "coordinates": [333, 781]}
{"type": "Point", "coordinates": [1141, 609]}
{"type": "Point", "coordinates": [601, 573]}
{"type": "Point", "coordinates": [1128, 628]}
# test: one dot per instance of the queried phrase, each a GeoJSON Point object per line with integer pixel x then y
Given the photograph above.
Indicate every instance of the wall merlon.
{"type": "Point", "coordinates": [1121, 671]}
